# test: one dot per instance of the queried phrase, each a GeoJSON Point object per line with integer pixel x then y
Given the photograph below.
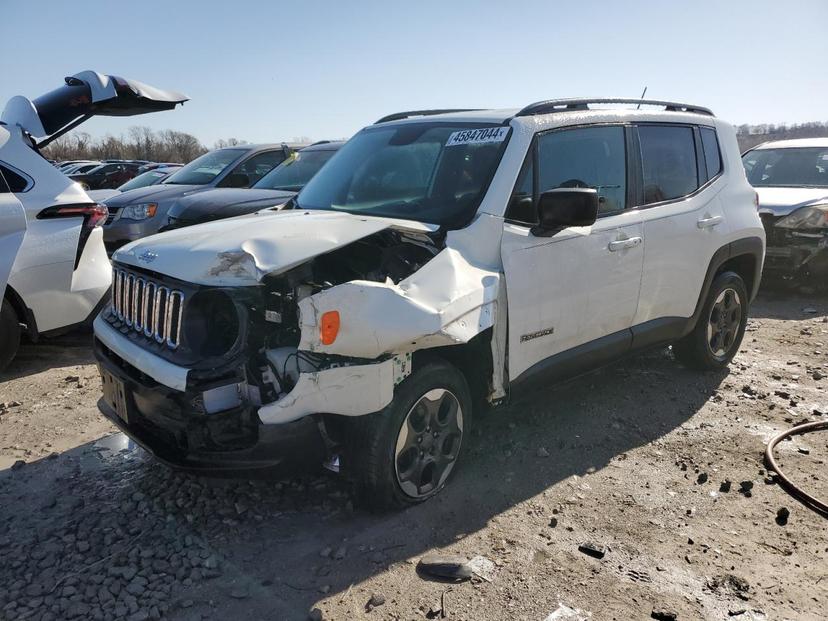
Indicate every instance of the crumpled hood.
{"type": "Point", "coordinates": [226, 202]}
{"type": "Point", "coordinates": [152, 193]}
{"type": "Point", "coordinates": [782, 201]}
{"type": "Point", "coordinates": [240, 251]}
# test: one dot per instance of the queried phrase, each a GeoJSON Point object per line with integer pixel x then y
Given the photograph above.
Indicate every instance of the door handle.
{"type": "Point", "coordinates": [621, 244]}
{"type": "Point", "coordinates": [708, 222]}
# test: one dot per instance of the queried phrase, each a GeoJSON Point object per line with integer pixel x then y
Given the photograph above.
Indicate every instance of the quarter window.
{"type": "Point", "coordinates": [590, 157]}
{"type": "Point", "coordinates": [668, 161]}
{"type": "Point", "coordinates": [13, 181]}
{"type": "Point", "coordinates": [710, 146]}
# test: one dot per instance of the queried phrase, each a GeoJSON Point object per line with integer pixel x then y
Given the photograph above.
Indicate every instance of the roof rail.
{"type": "Point", "coordinates": [404, 115]}
{"type": "Point", "coordinates": [567, 105]}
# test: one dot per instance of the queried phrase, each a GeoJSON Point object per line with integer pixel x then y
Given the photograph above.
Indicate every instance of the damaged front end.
{"type": "Point", "coordinates": [236, 377]}
{"type": "Point", "coordinates": [797, 243]}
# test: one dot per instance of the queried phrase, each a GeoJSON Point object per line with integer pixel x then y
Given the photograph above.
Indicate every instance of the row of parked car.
{"type": "Point", "coordinates": [362, 310]}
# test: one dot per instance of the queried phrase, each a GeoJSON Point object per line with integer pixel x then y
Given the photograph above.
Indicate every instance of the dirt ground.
{"type": "Point", "coordinates": [660, 466]}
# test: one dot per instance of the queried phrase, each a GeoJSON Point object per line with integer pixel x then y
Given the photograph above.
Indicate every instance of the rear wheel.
{"type": "Point", "coordinates": [406, 453]}
{"type": "Point", "coordinates": [720, 328]}
{"type": "Point", "coordinates": [9, 334]}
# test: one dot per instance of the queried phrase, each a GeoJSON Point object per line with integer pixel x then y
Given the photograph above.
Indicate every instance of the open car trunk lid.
{"type": "Point", "coordinates": [84, 95]}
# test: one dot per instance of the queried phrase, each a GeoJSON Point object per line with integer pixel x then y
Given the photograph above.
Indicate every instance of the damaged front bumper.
{"type": "Point", "coordinates": [164, 408]}
{"type": "Point", "coordinates": [798, 255]}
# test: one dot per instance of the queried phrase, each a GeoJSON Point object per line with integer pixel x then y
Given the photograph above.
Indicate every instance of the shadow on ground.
{"type": "Point", "coordinates": [71, 349]}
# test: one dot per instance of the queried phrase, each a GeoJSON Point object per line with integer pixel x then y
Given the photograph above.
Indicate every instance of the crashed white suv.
{"type": "Point", "coordinates": [440, 261]}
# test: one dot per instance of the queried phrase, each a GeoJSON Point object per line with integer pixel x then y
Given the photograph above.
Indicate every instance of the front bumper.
{"type": "Point", "coordinates": [120, 232]}
{"type": "Point", "coordinates": [169, 425]}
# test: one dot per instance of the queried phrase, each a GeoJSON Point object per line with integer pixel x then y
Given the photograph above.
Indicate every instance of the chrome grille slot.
{"type": "Point", "coordinates": [147, 307]}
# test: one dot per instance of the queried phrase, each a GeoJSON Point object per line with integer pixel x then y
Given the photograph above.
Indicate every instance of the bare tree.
{"type": "Point", "coordinates": [141, 143]}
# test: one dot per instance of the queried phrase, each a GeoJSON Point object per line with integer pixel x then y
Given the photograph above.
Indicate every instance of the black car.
{"type": "Point", "coordinates": [275, 188]}
{"type": "Point", "coordinates": [107, 175]}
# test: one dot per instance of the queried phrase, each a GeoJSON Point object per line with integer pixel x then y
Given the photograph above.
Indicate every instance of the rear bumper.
{"type": "Point", "coordinates": [170, 425]}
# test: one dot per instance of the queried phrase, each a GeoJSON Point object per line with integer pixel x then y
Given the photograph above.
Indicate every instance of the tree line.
{"type": "Point", "coordinates": [751, 135]}
{"type": "Point", "coordinates": [143, 143]}
{"type": "Point", "coordinates": [139, 143]}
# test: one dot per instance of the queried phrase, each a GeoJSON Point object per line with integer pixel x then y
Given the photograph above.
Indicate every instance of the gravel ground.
{"type": "Point", "coordinates": [655, 467]}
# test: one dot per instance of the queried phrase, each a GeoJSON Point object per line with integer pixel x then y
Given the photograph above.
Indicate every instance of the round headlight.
{"type": "Point", "coordinates": [211, 323]}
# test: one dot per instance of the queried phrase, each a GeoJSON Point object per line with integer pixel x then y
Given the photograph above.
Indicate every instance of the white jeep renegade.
{"type": "Point", "coordinates": [441, 260]}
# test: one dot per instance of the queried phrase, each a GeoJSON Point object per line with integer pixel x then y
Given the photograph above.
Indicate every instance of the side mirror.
{"type": "Point", "coordinates": [236, 180]}
{"type": "Point", "coordinates": [563, 207]}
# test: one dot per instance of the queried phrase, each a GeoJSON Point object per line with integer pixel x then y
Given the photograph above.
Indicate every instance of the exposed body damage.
{"type": "Point", "coordinates": [447, 302]}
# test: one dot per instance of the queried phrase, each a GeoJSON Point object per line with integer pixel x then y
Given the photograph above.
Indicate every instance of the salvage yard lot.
{"type": "Point", "coordinates": [635, 458]}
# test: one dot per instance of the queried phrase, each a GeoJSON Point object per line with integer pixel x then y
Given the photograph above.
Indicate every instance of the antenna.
{"type": "Point", "coordinates": [644, 92]}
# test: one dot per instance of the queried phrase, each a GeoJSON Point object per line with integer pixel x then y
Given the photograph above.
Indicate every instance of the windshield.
{"type": "Point", "coordinates": [790, 167]}
{"type": "Point", "coordinates": [204, 169]}
{"type": "Point", "coordinates": [148, 178]}
{"type": "Point", "coordinates": [292, 174]}
{"type": "Point", "coordinates": [433, 172]}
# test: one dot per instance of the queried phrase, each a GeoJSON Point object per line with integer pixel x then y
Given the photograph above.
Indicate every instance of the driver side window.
{"type": "Point", "coordinates": [590, 157]}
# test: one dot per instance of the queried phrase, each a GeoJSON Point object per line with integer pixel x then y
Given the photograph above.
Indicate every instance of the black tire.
{"type": "Point", "coordinates": [9, 334]}
{"type": "Point", "coordinates": [370, 460]}
{"type": "Point", "coordinates": [718, 333]}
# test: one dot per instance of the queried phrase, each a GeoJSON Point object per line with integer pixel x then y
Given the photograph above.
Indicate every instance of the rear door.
{"type": "Point", "coordinates": [580, 286]}
{"type": "Point", "coordinates": [684, 222]}
{"type": "Point", "coordinates": [12, 230]}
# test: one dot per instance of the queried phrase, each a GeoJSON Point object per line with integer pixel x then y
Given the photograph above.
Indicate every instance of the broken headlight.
{"type": "Point", "coordinates": [211, 324]}
{"type": "Point", "coordinates": [812, 217]}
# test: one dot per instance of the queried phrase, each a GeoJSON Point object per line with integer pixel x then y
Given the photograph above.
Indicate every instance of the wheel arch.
{"type": "Point", "coordinates": [23, 312]}
{"type": "Point", "coordinates": [742, 256]}
{"type": "Point", "coordinates": [473, 359]}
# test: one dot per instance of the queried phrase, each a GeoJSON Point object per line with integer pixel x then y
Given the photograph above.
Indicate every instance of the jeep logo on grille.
{"type": "Point", "coordinates": [147, 256]}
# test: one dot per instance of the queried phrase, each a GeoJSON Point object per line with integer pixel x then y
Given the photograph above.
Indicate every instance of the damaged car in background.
{"type": "Point", "coordinates": [791, 179]}
{"type": "Point", "coordinates": [439, 261]}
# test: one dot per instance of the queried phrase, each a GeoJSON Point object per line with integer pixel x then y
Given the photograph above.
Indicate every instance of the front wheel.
{"type": "Point", "coordinates": [405, 454]}
{"type": "Point", "coordinates": [718, 333]}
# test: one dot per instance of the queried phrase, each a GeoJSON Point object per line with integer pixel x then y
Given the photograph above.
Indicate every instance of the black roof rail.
{"type": "Point", "coordinates": [404, 115]}
{"type": "Point", "coordinates": [566, 105]}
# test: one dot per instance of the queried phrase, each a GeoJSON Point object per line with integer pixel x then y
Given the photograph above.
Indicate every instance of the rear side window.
{"type": "Point", "coordinates": [12, 181]}
{"type": "Point", "coordinates": [710, 146]}
{"type": "Point", "coordinates": [590, 157]}
{"type": "Point", "coordinates": [668, 161]}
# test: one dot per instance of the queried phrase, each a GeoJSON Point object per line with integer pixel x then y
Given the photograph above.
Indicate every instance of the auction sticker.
{"type": "Point", "coordinates": [477, 136]}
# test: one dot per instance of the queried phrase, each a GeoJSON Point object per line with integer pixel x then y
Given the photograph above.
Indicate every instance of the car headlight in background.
{"type": "Point", "coordinates": [812, 217]}
{"type": "Point", "coordinates": [142, 211]}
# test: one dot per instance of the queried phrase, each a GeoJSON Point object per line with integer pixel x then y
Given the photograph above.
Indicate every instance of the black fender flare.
{"type": "Point", "coordinates": [748, 246]}
{"type": "Point", "coordinates": [24, 313]}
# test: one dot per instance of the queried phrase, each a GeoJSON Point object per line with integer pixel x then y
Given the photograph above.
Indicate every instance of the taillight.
{"type": "Point", "coordinates": [93, 215]}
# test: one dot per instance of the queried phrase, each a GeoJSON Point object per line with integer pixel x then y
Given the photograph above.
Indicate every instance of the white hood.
{"type": "Point", "coordinates": [782, 201]}
{"type": "Point", "coordinates": [240, 251]}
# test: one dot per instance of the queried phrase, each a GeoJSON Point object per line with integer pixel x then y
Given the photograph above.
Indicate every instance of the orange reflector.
{"type": "Point", "coordinates": [329, 327]}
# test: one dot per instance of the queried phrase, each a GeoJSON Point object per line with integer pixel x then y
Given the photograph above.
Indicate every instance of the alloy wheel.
{"type": "Point", "coordinates": [428, 443]}
{"type": "Point", "coordinates": [724, 322]}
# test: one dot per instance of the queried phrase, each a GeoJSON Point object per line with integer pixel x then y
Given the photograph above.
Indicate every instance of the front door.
{"type": "Point", "coordinates": [582, 284]}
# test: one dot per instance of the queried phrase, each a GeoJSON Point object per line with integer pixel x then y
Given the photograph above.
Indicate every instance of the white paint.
{"type": "Point", "coordinates": [12, 230]}
{"type": "Point", "coordinates": [447, 302]}
{"type": "Point", "coordinates": [570, 284]}
{"type": "Point", "coordinates": [157, 368]}
{"type": "Point", "coordinates": [349, 391]}
{"type": "Point", "coordinates": [240, 251]}
{"type": "Point", "coordinates": [44, 272]}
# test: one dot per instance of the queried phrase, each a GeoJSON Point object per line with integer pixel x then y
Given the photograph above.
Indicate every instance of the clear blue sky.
{"type": "Point", "coordinates": [269, 70]}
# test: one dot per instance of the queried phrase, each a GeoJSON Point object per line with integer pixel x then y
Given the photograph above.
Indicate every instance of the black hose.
{"type": "Point", "coordinates": [806, 499]}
